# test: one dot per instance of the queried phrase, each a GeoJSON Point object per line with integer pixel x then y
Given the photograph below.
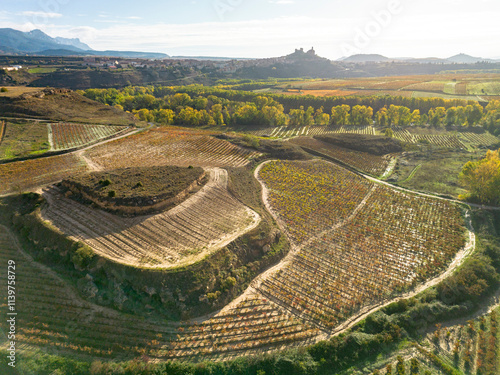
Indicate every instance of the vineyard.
{"type": "Point", "coordinates": [447, 141]}
{"type": "Point", "coordinates": [19, 176]}
{"type": "Point", "coordinates": [54, 317]}
{"type": "Point", "coordinates": [64, 136]}
{"type": "Point", "coordinates": [323, 195]}
{"type": "Point", "coordinates": [203, 223]}
{"type": "Point", "coordinates": [485, 139]}
{"type": "Point", "coordinates": [363, 161]}
{"type": "Point", "coordinates": [473, 347]}
{"type": "Point", "coordinates": [290, 131]}
{"type": "Point", "coordinates": [350, 256]}
{"type": "Point", "coordinates": [169, 147]}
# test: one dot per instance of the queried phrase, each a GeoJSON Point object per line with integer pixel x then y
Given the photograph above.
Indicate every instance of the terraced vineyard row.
{"type": "Point", "coordinates": [64, 136]}
{"type": "Point", "coordinates": [311, 197]}
{"type": "Point", "coordinates": [485, 139]}
{"type": "Point", "coordinates": [54, 317]}
{"type": "Point", "coordinates": [385, 247]}
{"type": "Point", "coordinates": [473, 347]}
{"type": "Point", "coordinates": [288, 131]}
{"type": "Point", "coordinates": [375, 165]}
{"type": "Point", "coordinates": [169, 147]}
{"type": "Point", "coordinates": [205, 222]}
{"type": "Point", "coordinates": [22, 175]}
{"type": "Point", "coordinates": [448, 141]}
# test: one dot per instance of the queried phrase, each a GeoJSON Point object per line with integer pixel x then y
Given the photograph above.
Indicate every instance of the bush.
{"type": "Point", "coordinates": [3, 89]}
{"type": "Point", "coordinates": [112, 194]}
{"type": "Point", "coordinates": [83, 256]}
{"type": "Point", "coordinates": [105, 182]}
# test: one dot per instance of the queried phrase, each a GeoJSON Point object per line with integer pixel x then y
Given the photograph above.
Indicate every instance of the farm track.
{"type": "Point", "coordinates": [206, 221]}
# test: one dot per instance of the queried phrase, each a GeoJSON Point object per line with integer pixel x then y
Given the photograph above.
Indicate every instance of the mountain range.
{"type": "Point", "coordinates": [457, 59]}
{"type": "Point", "coordinates": [36, 42]}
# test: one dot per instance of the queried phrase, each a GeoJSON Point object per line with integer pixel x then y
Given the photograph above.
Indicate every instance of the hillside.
{"type": "Point", "coordinates": [36, 42]}
{"type": "Point", "coordinates": [62, 105]}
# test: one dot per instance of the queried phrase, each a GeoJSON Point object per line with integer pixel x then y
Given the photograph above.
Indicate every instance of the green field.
{"type": "Point", "coordinates": [24, 138]}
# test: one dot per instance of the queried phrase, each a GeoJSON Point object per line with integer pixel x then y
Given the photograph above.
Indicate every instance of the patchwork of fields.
{"type": "Point", "coordinates": [355, 244]}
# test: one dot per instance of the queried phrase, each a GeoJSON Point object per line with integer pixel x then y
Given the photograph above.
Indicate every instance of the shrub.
{"type": "Point", "coordinates": [3, 89]}
{"type": "Point", "coordinates": [112, 194]}
{"type": "Point", "coordinates": [105, 182]}
{"type": "Point", "coordinates": [82, 256]}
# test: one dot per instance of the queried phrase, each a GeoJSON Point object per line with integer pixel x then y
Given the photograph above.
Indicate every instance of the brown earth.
{"type": "Point", "coordinates": [62, 105]}
{"type": "Point", "coordinates": [136, 191]}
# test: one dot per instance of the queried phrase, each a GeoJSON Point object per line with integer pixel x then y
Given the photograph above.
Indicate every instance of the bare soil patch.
{"type": "Point", "coordinates": [131, 191]}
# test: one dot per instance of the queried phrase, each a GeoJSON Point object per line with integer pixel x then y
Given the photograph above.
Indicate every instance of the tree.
{"type": "Point", "coordinates": [217, 114]}
{"type": "Point", "coordinates": [437, 116]}
{"type": "Point", "coordinates": [381, 117]}
{"type": "Point", "coordinates": [297, 116]}
{"type": "Point", "coordinates": [164, 116]}
{"type": "Point", "coordinates": [274, 116]}
{"type": "Point", "coordinates": [389, 133]}
{"type": "Point", "coordinates": [188, 116]}
{"type": "Point", "coordinates": [361, 115]}
{"type": "Point", "coordinates": [415, 118]}
{"type": "Point", "coordinates": [340, 115]}
{"type": "Point", "coordinates": [321, 118]}
{"type": "Point", "coordinates": [474, 113]}
{"type": "Point", "coordinates": [451, 116]}
{"type": "Point", "coordinates": [309, 116]}
{"type": "Point", "coordinates": [144, 115]}
{"type": "Point", "coordinates": [482, 179]}
{"type": "Point", "coordinates": [404, 115]}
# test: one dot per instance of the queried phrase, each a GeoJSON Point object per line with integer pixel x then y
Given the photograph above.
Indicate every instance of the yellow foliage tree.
{"type": "Point", "coordinates": [482, 179]}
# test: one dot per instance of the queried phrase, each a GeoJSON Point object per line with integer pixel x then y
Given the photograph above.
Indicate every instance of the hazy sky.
{"type": "Point", "coordinates": [267, 28]}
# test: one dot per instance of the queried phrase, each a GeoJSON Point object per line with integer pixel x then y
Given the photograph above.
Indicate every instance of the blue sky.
{"type": "Point", "coordinates": [267, 28]}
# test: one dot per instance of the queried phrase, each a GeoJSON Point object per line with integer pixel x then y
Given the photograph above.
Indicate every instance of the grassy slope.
{"type": "Point", "coordinates": [23, 138]}
{"type": "Point", "coordinates": [58, 105]}
{"type": "Point", "coordinates": [438, 171]}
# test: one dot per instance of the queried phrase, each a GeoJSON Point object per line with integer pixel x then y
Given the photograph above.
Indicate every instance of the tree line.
{"type": "Point", "coordinates": [197, 105]}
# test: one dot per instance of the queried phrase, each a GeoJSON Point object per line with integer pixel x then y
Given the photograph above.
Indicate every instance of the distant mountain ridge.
{"type": "Point", "coordinates": [461, 58]}
{"type": "Point", "coordinates": [36, 42]}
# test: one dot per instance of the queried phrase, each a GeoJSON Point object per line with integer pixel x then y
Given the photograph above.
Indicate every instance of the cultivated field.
{"type": "Point", "coordinates": [363, 161]}
{"type": "Point", "coordinates": [465, 86]}
{"type": "Point", "coordinates": [205, 222]}
{"type": "Point", "coordinates": [291, 131]}
{"type": "Point", "coordinates": [354, 251]}
{"type": "Point", "coordinates": [64, 136]}
{"type": "Point", "coordinates": [169, 147]}
{"type": "Point", "coordinates": [20, 176]}
{"type": "Point", "coordinates": [56, 318]}
{"type": "Point", "coordinates": [355, 244]}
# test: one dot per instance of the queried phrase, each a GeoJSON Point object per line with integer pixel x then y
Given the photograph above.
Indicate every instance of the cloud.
{"type": "Point", "coordinates": [41, 14]}
{"type": "Point", "coordinates": [282, 2]}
